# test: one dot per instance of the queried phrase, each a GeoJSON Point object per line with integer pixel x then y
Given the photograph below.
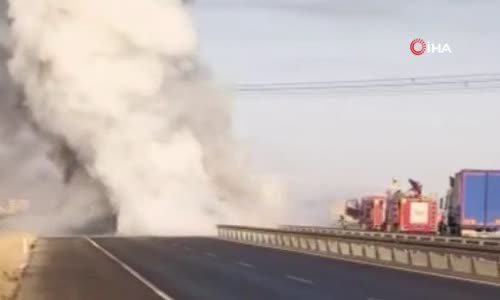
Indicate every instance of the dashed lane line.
{"type": "Point", "coordinates": [299, 279]}
{"type": "Point", "coordinates": [245, 264]}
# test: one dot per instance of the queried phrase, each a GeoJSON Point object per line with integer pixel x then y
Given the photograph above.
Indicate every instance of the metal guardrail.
{"type": "Point", "coordinates": [471, 263]}
{"type": "Point", "coordinates": [452, 240]}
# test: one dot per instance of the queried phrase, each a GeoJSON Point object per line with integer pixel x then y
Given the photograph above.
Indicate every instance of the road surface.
{"type": "Point", "coordinates": [212, 269]}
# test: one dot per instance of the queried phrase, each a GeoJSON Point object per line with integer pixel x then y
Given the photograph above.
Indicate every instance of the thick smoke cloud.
{"type": "Point", "coordinates": [120, 99]}
{"type": "Point", "coordinates": [37, 166]}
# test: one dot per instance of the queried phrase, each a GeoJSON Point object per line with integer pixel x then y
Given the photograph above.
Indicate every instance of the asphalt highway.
{"type": "Point", "coordinates": [212, 269]}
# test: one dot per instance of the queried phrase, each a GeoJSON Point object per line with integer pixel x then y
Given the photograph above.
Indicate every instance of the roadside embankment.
{"type": "Point", "coordinates": [14, 254]}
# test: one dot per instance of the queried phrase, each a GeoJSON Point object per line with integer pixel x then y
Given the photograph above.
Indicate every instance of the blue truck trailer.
{"type": "Point", "coordinates": [472, 204]}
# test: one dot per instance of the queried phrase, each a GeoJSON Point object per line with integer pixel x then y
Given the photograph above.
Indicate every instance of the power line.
{"type": "Point", "coordinates": [392, 79]}
{"type": "Point", "coordinates": [364, 86]}
{"type": "Point", "coordinates": [485, 81]}
{"type": "Point", "coordinates": [368, 93]}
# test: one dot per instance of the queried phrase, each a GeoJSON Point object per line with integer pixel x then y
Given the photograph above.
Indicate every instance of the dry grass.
{"type": "Point", "coordinates": [12, 259]}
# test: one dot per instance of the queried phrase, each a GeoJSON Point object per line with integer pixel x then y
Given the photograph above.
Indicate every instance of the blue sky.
{"type": "Point", "coordinates": [332, 146]}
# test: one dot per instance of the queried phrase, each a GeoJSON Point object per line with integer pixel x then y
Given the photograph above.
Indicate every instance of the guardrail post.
{"type": "Point", "coordinates": [461, 263]}
{"type": "Point", "coordinates": [333, 246]}
{"type": "Point", "coordinates": [438, 261]}
{"type": "Point", "coordinates": [498, 267]}
{"type": "Point", "coordinates": [322, 245]}
{"type": "Point", "coordinates": [356, 249]}
{"type": "Point", "coordinates": [345, 248]}
{"type": "Point", "coordinates": [303, 243]}
{"type": "Point", "coordinates": [313, 246]}
{"type": "Point", "coordinates": [419, 258]}
{"type": "Point", "coordinates": [295, 241]}
{"type": "Point", "coordinates": [485, 267]}
{"type": "Point", "coordinates": [401, 256]}
{"type": "Point", "coordinates": [279, 240]}
{"type": "Point", "coordinates": [384, 253]}
{"type": "Point", "coordinates": [370, 251]}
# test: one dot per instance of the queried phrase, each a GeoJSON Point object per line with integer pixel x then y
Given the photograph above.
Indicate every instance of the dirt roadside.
{"type": "Point", "coordinates": [14, 254]}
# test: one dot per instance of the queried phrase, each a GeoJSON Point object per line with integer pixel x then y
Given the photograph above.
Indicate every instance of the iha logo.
{"type": "Point", "coordinates": [419, 47]}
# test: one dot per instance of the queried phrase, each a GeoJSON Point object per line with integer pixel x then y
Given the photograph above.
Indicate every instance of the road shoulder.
{"type": "Point", "coordinates": [71, 268]}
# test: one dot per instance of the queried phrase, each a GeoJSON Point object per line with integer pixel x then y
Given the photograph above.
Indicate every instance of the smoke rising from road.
{"type": "Point", "coordinates": [116, 87]}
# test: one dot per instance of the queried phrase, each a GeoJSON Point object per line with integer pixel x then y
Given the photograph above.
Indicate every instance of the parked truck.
{"type": "Point", "coordinates": [472, 204]}
{"type": "Point", "coordinates": [396, 210]}
{"type": "Point", "coordinates": [411, 213]}
{"type": "Point", "coordinates": [369, 211]}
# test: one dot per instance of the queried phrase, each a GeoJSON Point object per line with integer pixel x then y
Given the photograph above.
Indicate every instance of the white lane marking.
{"type": "Point", "coordinates": [210, 254]}
{"type": "Point", "coordinates": [476, 281]}
{"type": "Point", "coordinates": [187, 248]}
{"type": "Point", "coordinates": [299, 279]}
{"type": "Point", "coordinates": [371, 298]}
{"type": "Point", "coordinates": [132, 272]}
{"type": "Point", "coordinates": [245, 264]}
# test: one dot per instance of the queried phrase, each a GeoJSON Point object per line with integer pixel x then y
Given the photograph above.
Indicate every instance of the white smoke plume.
{"type": "Point", "coordinates": [27, 172]}
{"type": "Point", "coordinates": [117, 85]}
{"type": "Point", "coordinates": [27, 169]}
